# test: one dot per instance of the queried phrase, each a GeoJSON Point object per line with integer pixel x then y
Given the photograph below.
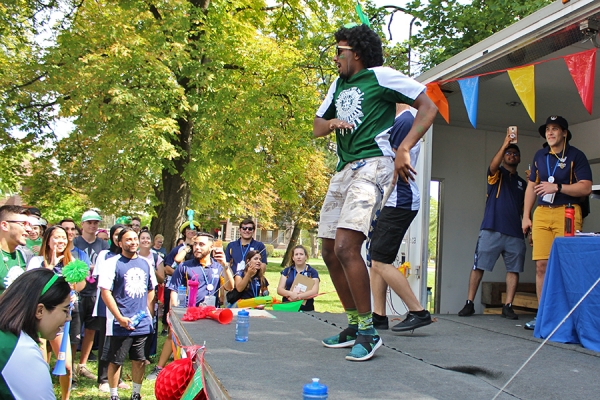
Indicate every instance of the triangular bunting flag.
{"type": "Point", "coordinates": [524, 83]}
{"type": "Point", "coordinates": [582, 67]}
{"type": "Point", "coordinates": [470, 91]}
{"type": "Point", "coordinates": [435, 94]}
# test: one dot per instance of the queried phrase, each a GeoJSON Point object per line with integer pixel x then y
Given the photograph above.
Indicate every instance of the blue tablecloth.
{"type": "Point", "coordinates": [573, 267]}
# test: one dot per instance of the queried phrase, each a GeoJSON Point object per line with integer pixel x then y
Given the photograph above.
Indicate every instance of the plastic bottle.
{"type": "Point", "coordinates": [181, 296]}
{"type": "Point", "coordinates": [429, 298]}
{"type": "Point", "coordinates": [314, 390]}
{"type": "Point", "coordinates": [137, 318]}
{"type": "Point", "coordinates": [193, 285]}
{"type": "Point", "coordinates": [242, 325]}
{"type": "Point", "coordinates": [569, 220]}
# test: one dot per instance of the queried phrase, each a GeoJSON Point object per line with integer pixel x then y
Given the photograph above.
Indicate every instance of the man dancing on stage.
{"type": "Point", "coordinates": [361, 106]}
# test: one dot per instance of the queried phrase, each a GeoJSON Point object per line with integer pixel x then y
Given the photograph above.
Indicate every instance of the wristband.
{"type": "Point", "coordinates": [559, 187]}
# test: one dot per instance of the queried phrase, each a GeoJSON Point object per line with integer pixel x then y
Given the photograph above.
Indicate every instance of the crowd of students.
{"type": "Point", "coordinates": [116, 307]}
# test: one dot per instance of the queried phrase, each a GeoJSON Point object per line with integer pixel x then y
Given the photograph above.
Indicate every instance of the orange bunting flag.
{"type": "Point", "coordinates": [435, 94]}
{"type": "Point", "coordinates": [582, 67]}
{"type": "Point", "coordinates": [524, 83]}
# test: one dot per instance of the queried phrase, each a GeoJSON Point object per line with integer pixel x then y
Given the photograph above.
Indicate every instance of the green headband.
{"type": "Point", "coordinates": [49, 284]}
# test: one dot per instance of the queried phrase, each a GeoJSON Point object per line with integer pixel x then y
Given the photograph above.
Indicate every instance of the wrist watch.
{"type": "Point", "coordinates": [559, 187]}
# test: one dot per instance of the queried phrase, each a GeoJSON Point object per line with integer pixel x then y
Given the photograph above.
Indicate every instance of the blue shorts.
{"type": "Point", "coordinates": [492, 244]}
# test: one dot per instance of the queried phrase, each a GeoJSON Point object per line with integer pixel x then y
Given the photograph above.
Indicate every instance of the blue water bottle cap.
{"type": "Point", "coordinates": [315, 388]}
{"type": "Point", "coordinates": [243, 312]}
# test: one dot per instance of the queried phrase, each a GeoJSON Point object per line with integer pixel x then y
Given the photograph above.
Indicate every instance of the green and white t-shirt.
{"type": "Point", "coordinates": [21, 364]}
{"type": "Point", "coordinates": [368, 100]}
{"type": "Point", "coordinates": [11, 266]}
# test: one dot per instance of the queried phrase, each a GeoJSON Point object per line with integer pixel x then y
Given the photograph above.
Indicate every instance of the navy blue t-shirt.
{"type": "Point", "coordinates": [407, 195]}
{"type": "Point", "coordinates": [129, 281]}
{"type": "Point", "coordinates": [236, 252]}
{"type": "Point", "coordinates": [575, 168]}
{"type": "Point", "coordinates": [193, 270]}
{"type": "Point", "coordinates": [504, 205]}
{"type": "Point", "coordinates": [253, 288]}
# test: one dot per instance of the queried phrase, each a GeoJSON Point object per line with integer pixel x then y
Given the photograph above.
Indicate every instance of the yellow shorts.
{"type": "Point", "coordinates": [549, 223]}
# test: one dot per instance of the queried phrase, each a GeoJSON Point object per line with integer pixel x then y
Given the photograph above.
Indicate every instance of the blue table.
{"type": "Point", "coordinates": [573, 267]}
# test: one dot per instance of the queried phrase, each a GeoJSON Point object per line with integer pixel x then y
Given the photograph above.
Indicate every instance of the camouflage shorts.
{"type": "Point", "coordinates": [354, 195]}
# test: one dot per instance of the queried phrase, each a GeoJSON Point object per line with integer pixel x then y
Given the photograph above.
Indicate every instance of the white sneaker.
{"type": "Point", "coordinates": [104, 388]}
{"type": "Point", "coordinates": [154, 374]}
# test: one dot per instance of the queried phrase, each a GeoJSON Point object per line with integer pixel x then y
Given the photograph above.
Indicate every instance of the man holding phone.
{"type": "Point", "coordinates": [500, 231]}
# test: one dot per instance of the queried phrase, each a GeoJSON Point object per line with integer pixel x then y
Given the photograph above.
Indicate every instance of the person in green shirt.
{"type": "Point", "coordinates": [360, 107]}
{"type": "Point", "coordinates": [15, 225]}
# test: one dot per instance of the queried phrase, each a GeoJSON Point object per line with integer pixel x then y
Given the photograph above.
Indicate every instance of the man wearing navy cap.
{"type": "Point", "coordinates": [500, 231]}
{"type": "Point", "coordinates": [560, 175]}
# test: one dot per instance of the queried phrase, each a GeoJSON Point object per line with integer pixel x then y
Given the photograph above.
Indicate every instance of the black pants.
{"type": "Point", "coordinates": [102, 354]}
{"type": "Point", "coordinates": [167, 306]}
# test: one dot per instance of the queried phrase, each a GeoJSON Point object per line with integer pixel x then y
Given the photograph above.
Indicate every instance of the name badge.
{"type": "Point", "coordinates": [241, 265]}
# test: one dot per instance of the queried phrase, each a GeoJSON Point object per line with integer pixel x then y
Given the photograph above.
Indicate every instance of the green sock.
{"type": "Point", "coordinates": [365, 323]}
{"type": "Point", "coordinates": [352, 318]}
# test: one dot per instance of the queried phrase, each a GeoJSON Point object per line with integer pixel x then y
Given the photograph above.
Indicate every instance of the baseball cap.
{"type": "Point", "coordinates": [558, 120]}
{"type": "Point", "coordinates": [91, 215]}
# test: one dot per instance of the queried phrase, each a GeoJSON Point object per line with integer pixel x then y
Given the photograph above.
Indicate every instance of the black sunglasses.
{"type": "Point", "coordinates": [247, 228]}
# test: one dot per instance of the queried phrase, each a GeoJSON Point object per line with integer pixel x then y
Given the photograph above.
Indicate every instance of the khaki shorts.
{"type": "Point", "coordinates": [354, 195]}
{"type": "Point", "coordinates": [549, 223]}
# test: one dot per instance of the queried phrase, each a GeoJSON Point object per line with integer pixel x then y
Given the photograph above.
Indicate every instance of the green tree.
{"type": "Point", "coordinates": [448, 27]}
{"type": "Point", "coordinates": [181, 103]}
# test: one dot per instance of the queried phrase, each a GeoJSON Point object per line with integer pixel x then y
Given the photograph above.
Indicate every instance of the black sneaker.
{"type": "Point", "coordinates": [135, 396]}
{"type": "Point", "coordinates": [364, 347]}
{"type": "Point", "coordinates": [92, 357]}
{"type": "Point", "coordinates": [411, 322]}
{"type": "Point", "coordinates": [468, 309]}
{"type": "Point", "coordinates": [114, 398]}
{"type": "Point", "coordinates": [507, 312]}
{"type": "Point", "coordinates": [380, 322]}
{"type": "Point", "coordinates": [164, 333]}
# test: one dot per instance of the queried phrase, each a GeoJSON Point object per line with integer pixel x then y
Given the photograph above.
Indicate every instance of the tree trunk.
{"type": "Point", "coordinates": [174, 195]}
{"type": "Point", "coordinates": [314, 245]}
{"type": "Point", "coordinates": [287, 258]}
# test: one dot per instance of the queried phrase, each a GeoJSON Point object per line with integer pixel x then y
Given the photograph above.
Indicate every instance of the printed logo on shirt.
{"type": "Point", "coordinates": [136, 282]}
{"type": "Point", "coordinates": [348, 106]}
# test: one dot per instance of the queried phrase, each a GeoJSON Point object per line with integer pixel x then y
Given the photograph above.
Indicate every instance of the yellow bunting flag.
{"type": "Point", "coordinates": [524, 83]}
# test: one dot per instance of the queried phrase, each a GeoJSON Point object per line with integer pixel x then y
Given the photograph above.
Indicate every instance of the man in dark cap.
{"type": "Point", "coordinates": [560, 175]}
{"type": "Point", "coordinates": [500, 231]}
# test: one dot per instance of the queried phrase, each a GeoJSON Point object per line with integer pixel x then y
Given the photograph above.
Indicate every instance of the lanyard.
{"type": "Point", "coordinates": [548, 166]}
{"type": "Point", "coordinates": [242, 250]}
{"type": "Point", "coordinates": [255, 286]}
{"type": "Point", "coordinates": [212, 282]}
{"type": "Point", "coordinates": [301, 273]}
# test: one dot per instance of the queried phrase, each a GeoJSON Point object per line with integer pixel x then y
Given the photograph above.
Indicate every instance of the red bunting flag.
{"type": "Point", "coordinates": [582, 67]}
{"type": "Point", "coordinates": [435, 94]}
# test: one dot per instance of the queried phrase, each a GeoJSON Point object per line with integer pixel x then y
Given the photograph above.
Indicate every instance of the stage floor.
{"type": "Point", "coordinates": [454, 358]}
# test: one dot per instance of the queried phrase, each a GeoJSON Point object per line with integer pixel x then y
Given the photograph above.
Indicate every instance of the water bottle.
{"type": "Point", "coordinates": [569, 220]}
{"type": "Point", "coordinates": [314, 390]}
{"type": "Point", "coordinates": [181, 296]}
{"type": "Point", "coordinates": [242, 325]}
{"type": "Point", "coordinates": [137, 318]}
{"type": "Point", "coordinates": [429, 299]}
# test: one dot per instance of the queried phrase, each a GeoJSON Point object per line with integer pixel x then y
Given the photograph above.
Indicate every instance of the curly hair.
{"type": "Point", "coordinates": [364, 42]}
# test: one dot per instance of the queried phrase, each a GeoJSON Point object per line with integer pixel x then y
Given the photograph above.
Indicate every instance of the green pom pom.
{"type": "Point", "coordinates": [75, 271]}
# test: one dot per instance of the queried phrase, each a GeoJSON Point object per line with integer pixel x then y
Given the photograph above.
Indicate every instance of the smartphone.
{"type": "Point", "coordinates": [514, 134]}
